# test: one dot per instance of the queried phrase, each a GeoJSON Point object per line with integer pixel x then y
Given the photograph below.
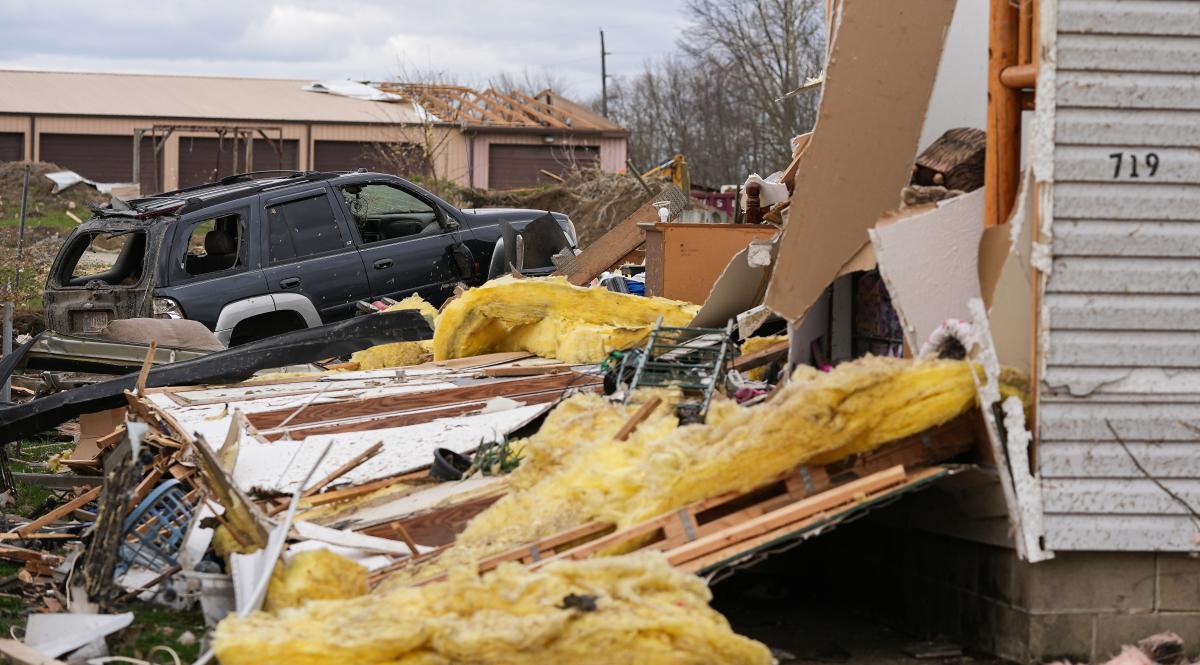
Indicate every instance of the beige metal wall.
{"type": "Point", "coordinates": [21, 124]}
{"type": "Point", "coordinates": [455, 159]}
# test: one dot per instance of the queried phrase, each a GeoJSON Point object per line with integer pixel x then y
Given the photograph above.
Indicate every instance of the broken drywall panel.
{"type": "Point", "coordinates": [56, 634]}
{"type": "Point", "coordinates": [1022, 493]}
{"type": "Point", "coordinates": [881, 70]}
{"type": "Point", "coordinates": [404, 449]}
{"type": "Point", "coordinates": [934, 251]}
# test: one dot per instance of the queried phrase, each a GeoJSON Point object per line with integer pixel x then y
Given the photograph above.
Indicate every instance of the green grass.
{"type": "Point", "coordinates": [153, 626]}
{"type": "Point", "coordinates": [34, 453]}
{"type": "Point", "coordinates": [55, 220]}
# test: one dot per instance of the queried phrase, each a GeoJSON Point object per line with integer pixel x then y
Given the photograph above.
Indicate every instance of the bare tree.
{"type": "Point", "coordinates": [417, 150]}
{"type": "Point", "coordinates": [530, 82]}
{"type": "Point", "coordinates": [721, 97]}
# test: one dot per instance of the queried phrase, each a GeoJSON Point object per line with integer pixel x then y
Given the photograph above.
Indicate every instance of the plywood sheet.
{"type": "Point", "coordinates": [877, 85]}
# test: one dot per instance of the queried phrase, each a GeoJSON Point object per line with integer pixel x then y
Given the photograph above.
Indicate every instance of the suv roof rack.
{"type": "Point", "coordinates": [249, 175]}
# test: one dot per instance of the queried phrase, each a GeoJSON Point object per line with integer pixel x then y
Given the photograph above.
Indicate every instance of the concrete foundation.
{"type": "Point", "coordinates": [1081, 605]}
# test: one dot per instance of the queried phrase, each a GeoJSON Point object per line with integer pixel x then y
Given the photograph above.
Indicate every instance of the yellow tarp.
{"type": "Point", "coordinates": [612, 611]}
{"type": "Point", "coordinates": [574, 472]}
{"type": "Point", "coordinates": [551, 318]}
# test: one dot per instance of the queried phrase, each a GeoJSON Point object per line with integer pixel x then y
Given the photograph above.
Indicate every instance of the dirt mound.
{"type": "Point", "coordinates": [595, 201]}
{"type": "Point", "coordinates": [42, 201]}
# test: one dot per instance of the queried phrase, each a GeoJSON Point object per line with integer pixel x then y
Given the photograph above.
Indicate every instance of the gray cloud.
{"type": "Point", "coordinates": [375, 39]}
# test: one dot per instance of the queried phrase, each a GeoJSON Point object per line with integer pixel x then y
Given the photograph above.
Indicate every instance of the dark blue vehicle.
{"type": "Point", "coordinates": [257, 254]}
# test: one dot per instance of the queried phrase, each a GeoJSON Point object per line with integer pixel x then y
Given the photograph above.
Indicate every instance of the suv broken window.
{"type": "Point", "coordinates": [303, 228]}
{"type": "Point", "coordinates": [213, 245]}
{"type": "Point", "coordinates": [383, 212]}
{"type": "Point", "coordinates": [109, 259]}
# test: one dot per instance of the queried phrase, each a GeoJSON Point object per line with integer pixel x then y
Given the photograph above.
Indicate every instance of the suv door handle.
{"type": "Point", "coordinates": [289, 282]}
{"type": "Point", "coordinates": [383, 263]}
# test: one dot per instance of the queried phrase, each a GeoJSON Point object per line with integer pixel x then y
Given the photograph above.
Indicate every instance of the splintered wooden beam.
{"type": "Point", "coordinates": [61, 511]}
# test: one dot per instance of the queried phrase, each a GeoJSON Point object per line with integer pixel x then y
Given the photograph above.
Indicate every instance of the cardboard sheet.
{"type": "Point", "coordinates": [929, 261]}
{"type": "Point", "coordinates": [1006, 280]}
{"type": "Point", "coordinates": [881, 70]}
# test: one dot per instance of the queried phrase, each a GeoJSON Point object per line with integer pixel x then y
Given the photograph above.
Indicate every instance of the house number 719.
{"type": "Point", "coordinates": [1150, 160]}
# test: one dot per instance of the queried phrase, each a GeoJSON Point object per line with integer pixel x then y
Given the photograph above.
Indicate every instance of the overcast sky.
{"type": "Point", "coordinates": [337, 39]}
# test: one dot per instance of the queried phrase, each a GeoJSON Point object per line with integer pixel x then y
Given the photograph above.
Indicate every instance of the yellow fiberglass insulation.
{"type": "Point", "coordinates": [575, 472]}
{"type": "Point", "coordinates": [400, 354]}
{"type": "Point", "coordinates": [551, 318]}
{"type": "Point", "coordinates": [754, 344]}
{"type": "Point", "coordinates": [314, 575]}
{"type": "Point", "coordinates": [630, 609]}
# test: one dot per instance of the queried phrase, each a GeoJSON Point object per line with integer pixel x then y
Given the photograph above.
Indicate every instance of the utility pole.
{"type": "Point", "coordinates": [603, 77]}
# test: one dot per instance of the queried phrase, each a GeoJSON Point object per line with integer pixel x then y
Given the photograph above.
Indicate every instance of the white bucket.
{"type": "Point", "coordinates": [216, 595]}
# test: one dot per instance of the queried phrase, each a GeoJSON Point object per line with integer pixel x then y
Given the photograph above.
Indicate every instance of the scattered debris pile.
{"type": "Point", "coordinates": [595, 200]}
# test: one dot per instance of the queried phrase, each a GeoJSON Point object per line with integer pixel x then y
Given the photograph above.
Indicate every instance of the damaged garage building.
{"type": "Point", "coordinates": [197, 129]}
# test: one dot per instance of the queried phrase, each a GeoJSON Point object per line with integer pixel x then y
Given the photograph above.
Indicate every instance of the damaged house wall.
{"type": "Point", "coordinates": [1120, 371]}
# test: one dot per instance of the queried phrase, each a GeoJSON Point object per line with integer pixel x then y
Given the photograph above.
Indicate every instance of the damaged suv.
{"type": "Point", "coordinates": [258, 254]}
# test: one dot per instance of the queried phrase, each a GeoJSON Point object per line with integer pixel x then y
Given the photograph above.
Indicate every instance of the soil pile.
{"type": "Point", "coordinates": [42, 202]}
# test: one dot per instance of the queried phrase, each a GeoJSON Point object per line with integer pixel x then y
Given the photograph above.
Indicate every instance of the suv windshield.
{"type": "Point", "coordinates": [106, 258]}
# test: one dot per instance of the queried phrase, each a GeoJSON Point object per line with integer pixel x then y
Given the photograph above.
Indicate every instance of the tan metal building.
{"type": "Point", "coordinates": [196, 128]}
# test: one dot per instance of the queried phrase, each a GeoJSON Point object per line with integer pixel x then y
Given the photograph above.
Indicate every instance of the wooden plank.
{"type": "Point", "coordinates": [700, 563]}
{"type": "Point", "coordinates": [14, 553]}
{"type": "Point", "coordinates": [365, 488]}
{"type": "Point", "coordinates": [146, 364]}
{"type": "Point", "coordinates": [761, 357]}
{"type": "Point", "coordinates": [1002, 163]}
{"type": "Point", "coordinates": [839, 496]}
{"type": "Point", "coordinates": [637, 418]}
{"type": "Point", "coordinates": [609, 248]}
{"type": "Point", "coordinates": [411, 417]}
{"type": "Point", "coordinates": [525, 370]}
{"type": "Point", "coordinates": [266, 420]}
{"type": "Point", "coordinates": [485, 360]}
{"type": "Point", "coordinates": [435, 527]}
{"type": "Point", "coordinates": [61, 511]}
{"type": "Point", "coordinates": [19, 654]}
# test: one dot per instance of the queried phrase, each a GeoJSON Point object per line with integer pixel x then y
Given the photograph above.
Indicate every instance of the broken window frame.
{"type": "Point", "coordinates": [63, 275]}
{"type": "Point", "coordinates": [439, 216]}
{"type": "Point", "coordinates": [182, 240]}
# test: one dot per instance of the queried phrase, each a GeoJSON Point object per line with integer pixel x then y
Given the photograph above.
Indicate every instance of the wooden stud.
{"type": "Point", "coordinates": [825, 501]}
{"type": "Point", "coordinates": [65, 509]}
{"type": "Point", "coordinates": [1004, 116]}
{"type": "Point", "coordinates": [342, 470]}
{"type": "Point", "coordinates": [762, 356]}
{"type": "Point", "coordinates": [637, 418]}
{"type": "Point", "coordinates": [146, 365]}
